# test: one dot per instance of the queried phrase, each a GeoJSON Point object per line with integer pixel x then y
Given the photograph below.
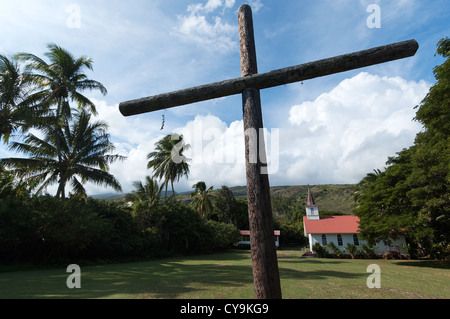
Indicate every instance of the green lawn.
{"type": "Point", "coordinates": [228, 275]}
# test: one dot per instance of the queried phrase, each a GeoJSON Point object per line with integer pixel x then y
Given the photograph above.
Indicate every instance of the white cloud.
{"type": "Point", "coordinates": [196, 27]}
{"type": "Point", "coordinates": [133, 130]}
{"type": "Point", "coordinates": [210, 6]}
{"type": "Point", "coordinates": [349, 131]}
{"type": "Point", "coordinates": [337, 138]}
{"type": "Point", "coordinates": [216, 152]}
{"type": "Point", "coordinates": [256, 5]}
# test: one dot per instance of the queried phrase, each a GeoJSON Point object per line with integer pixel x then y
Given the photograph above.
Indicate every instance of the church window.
{"type": "Point", "coordinates": [339, 240]}
{"type": "Point", "coordinates": [324, 240]}
{"type": "Point", "coordinates": [355, 240]}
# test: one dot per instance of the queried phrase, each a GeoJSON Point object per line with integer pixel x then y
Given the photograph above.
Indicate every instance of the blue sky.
{"type": "Point", "coordinates": [334, 129]}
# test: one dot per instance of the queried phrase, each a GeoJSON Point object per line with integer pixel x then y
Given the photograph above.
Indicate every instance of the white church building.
{"type": "Point", "coordinates": [341, 230]}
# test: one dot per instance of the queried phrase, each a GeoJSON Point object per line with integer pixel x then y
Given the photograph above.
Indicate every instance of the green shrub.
{"type": "Point", "coordinates": [222, 235]}
{"type": "Point", "coordinates": [18, 224]}
{"type": "Point", "coordinates": [45, 229]}
{"type": "Point", "coordinates": [334, 249]}
{"type": "Point", "coordinates": [69, 228]}
{"type": "Point", "coordinates": [319, 250]}
{"type": "Point", "coordinates": [291, 232]}
{"type": "Point", "coordinates": [368, 251]}
{"type": "Point", "coordinates": [352, 250]}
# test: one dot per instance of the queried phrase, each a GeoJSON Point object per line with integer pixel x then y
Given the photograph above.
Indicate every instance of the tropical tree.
{"type": "Point", "coordinates": [411, 196]}
{"type": "Point", "coordinates": [15, 103]}
{"type": "Point", "coordinates": [202, 198]}
{"type": "Point", "coordinates": [83, 156]}
{"type": "Point", "coordinates": [224, 206]}
{"type": "Point", "coordinates": [10, 186]}
{"type": "Point", "coordinates": [167, 161]}
{"type": "Point", "coordinates": [61, 80]}
{"type": "Point", "coordinates": [58, 82]}
{"type": "Point", "coordinates": [430, 176]}
{"type": "Point", "coordinates": [364, 184]}
{"type": "Point", "coordinates": [147, 195]}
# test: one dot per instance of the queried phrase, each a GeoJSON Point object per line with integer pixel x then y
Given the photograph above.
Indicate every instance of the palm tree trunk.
{"type": "Point", "coordinates": [58, 127]}
{"type": "Point", "coordinates": [61, 189]}
{"type": "Point", "coordinates": [173, 191]}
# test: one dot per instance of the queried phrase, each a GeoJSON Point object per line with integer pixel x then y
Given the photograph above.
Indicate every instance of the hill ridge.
{"type": "Point", "coordinates": [329, 197]}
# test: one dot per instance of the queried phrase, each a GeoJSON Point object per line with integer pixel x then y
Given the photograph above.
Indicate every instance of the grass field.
{"type": "Point", "coordinates": [229, 275]}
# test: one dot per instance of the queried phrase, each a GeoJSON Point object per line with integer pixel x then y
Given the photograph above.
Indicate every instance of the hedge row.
{"type": "Point", "coordinates": [46, 230]}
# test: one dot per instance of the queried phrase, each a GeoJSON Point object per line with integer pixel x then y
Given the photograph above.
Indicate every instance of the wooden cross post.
{"type": "Point", "coordinates": [266, 279]}
{"type": "Point", "coordinates": [264, 259]}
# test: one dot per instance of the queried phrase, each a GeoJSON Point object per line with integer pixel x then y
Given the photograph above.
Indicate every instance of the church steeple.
{"type": "Point", "coordinates": [310, 200]}
{"type": "Point", "coordinates": [312, 210]}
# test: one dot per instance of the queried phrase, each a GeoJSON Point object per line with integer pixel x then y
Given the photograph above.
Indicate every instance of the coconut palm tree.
{"type": "Point", "coordinates": [167, 161]}
{"type": "Point", "coordinates": [202, 198]}
{"type": "Point", "coordinates": [16, 106]}
{"type": "Point", "coordinates": [62, 80]}
{"type": "Point", "coordinates": [147, 194]}
{"type": "Point", "coordinates": [83, 156]}
{"type": "Point", "coordinates": [10, 186]}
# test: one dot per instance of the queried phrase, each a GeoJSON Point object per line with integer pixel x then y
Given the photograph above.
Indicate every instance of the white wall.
{"type": "Point", "coordinates": [346, 239]}
{"type": "Point", "coordinates": [396, 245]}
{"type": "Point", "coordinates": [247, 242]}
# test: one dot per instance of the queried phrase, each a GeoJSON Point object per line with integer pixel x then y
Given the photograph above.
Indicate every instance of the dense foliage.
{"type": "Point", "coordinates": [411, 196]}
{"type": "Point", "coordinates": [45, 229]}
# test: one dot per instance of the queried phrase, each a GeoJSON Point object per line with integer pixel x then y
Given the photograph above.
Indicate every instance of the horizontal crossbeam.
{"type": "Point", "coordinates": [283, 76]}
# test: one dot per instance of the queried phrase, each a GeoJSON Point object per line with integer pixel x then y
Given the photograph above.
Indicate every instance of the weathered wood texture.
{"type": "Point", "coordinates": [266, 278]}
{"type": "Point", "coordinates": [249, 65]}
{"type": "Point", "coordinates": [283, 76]}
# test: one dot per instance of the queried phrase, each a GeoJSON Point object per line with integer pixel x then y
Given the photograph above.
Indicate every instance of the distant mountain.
{"type": "Point", "coordinates": [331, 197]}
{"type": "Point", "coordinates": [109, 196]}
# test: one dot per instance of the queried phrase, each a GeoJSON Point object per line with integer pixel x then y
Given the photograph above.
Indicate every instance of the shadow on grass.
{"type": "Point", "coordinates": [310, 272]}
{"type": "Point", "coordinates": [289, 259]}
{"type": "Point", "coordinates": [169, 278]}
{"type": "Point", "coordinates": [286, 273]}
{"type": "Point", "coordinates": [425, 263]}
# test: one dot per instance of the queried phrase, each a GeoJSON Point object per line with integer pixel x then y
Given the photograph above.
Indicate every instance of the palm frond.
{"type": "Point", "coordinates": [83, 102]}
{"type": "Point", "coordinates": [91, 85]}
{"type": "Point", "coordinates": [78, 187]}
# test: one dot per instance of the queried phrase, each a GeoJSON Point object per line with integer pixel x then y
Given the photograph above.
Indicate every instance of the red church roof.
{"type": "Point", "coordinates": [332, 225]}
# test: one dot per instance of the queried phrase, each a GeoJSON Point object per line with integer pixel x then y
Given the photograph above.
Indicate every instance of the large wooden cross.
{"type": "Point", "coordinates": [264, 258]}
